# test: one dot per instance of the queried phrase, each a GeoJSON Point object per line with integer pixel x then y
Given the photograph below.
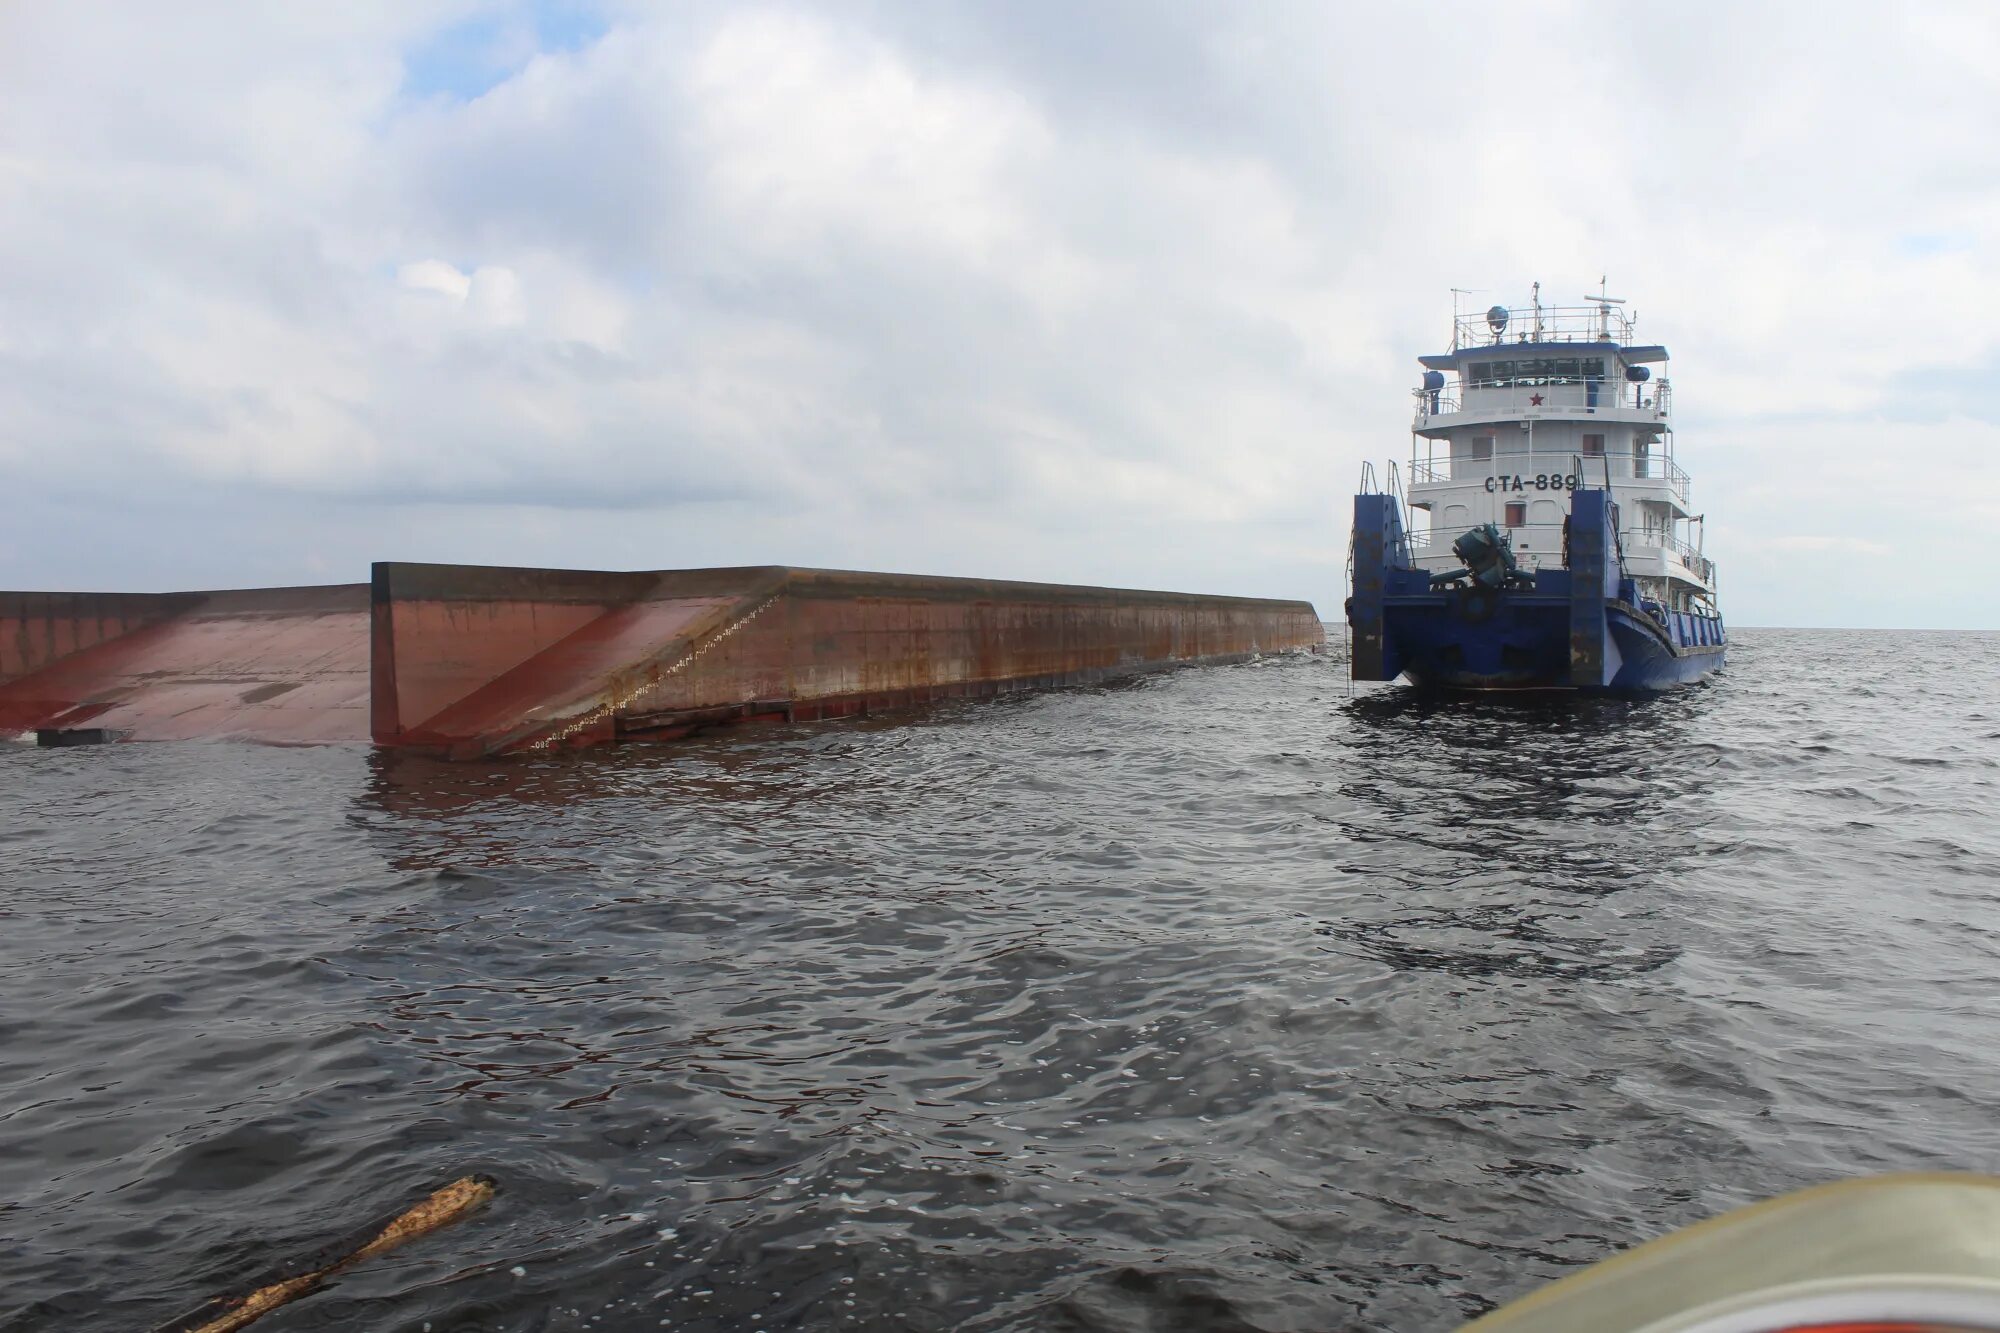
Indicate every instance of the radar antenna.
{"type": "Point", "coordinates": [1604, 304]}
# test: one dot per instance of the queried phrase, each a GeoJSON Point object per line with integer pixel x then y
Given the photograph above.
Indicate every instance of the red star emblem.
{"type": "Point", "coordinates": [1535, 400]}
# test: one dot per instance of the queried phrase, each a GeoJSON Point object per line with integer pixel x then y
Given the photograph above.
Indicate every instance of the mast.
{"type": "Point", "coordinates": [1604, 304]}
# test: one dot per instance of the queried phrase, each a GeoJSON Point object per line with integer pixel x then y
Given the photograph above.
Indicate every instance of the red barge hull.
{"type": "Point", "coordinates": [287, 666]}
{"type": "Point", "coordinates": [465, 661]}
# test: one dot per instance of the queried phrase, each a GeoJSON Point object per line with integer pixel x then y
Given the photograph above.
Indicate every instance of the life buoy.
{"type": "Point", "coordinates": [1477, 603]}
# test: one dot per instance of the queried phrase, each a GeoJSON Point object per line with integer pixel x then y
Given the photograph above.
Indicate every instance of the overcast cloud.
{"type": "Point", "coordinates": [1114, 293]}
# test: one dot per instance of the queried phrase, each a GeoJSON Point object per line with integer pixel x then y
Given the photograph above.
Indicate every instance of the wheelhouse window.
{"type": "Point", "coordinates": [1535, 370]}
{"type": "Point", "coordinates": [1517, 513]}
{"type": "Point", "coordinates": [1593, 446]}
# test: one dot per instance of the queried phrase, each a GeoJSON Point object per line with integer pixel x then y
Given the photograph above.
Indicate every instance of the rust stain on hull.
{"type": "Point", "coordinates": [679, 650]}
{"type": "Point", "coordinates": [280, 665]}
{"type": "Point", "coordinates": [463, 661]}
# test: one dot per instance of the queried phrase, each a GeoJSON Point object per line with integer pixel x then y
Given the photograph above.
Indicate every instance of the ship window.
{"type": "Point", "coordinates": [1593, 445]}
{"type": "Point", "coordinates": [1482, 447]}
{"type": "Point", "coordinates": [1534, 370]}
{"type": "Point", "coordinates": [1517, 513]}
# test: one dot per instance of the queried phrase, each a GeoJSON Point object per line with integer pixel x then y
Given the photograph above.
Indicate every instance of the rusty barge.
{"type": "Point", "coordinates": [469, 661]}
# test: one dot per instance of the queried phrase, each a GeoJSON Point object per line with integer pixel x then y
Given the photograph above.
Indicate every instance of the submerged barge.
{"type": "Point", "coordinates": [468, 661]}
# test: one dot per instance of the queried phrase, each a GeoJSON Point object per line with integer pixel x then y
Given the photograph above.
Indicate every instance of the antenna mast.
{"type": "Point", "coordinates": [1604, 304]}
{"type": "Point", "coordinates": [1456, 313]}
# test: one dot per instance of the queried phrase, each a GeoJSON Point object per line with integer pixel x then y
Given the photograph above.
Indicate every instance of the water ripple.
{"type": "Point", "coordinates": [1225, 999]}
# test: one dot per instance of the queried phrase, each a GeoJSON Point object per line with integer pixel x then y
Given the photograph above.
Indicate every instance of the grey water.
{"type": "Point", "coordinates": [1229, 998]}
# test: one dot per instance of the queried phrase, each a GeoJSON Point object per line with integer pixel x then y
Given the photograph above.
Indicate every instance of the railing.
{"type": "Point", "coordinates": [1624, 466]}
{"type": "Point", "coordinates": [1661, 467]}
{"type": "Point", "coordinates": [1697, 564]}
{"type": "Point", "coordinates": [1535, 322]}
{"type": "Point", "coordinates": [1542, 544]}
{"type": "Point", "coordinates": [1401, 553]}
{"type": "Point", "coordinates": [1573, 399]}
{"type": "Point", "coordinates": [1534, 543]}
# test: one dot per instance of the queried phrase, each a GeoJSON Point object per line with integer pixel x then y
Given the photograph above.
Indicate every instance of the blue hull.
{"type": "Point", "coordinates": [1578, 627]}
{"type": "Point", "coordinates": [1523, 643]}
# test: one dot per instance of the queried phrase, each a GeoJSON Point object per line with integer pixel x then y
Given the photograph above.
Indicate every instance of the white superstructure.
{"type": "Point", "coordinates": [1529, 404]}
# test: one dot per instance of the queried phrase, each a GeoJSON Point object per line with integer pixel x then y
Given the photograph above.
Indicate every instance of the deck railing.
{"type": "Point", "coordinates": [1535, 323]}
{"type": "Point", "coordinates": [1542, 544]}
{"type": "Point", "coordinates": [1538, 542]}
{"type": "Point", "coordinates": [1655, 399]}
{"type": "Point", "coordinates": [1624, 465]}
{"type": "Point", "coordinates": [1698, 564]}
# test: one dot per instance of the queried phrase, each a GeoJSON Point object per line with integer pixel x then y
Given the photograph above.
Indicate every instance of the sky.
{"type": "Point", "coordinates": [1112, 293]}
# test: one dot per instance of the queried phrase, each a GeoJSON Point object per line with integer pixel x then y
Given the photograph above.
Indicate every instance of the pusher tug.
{"type": "Point", "coordinates": [1545, 540]}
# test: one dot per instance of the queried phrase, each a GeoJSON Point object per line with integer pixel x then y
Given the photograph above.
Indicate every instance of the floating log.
{"type": "Point", "coordinates": [226, 1314]}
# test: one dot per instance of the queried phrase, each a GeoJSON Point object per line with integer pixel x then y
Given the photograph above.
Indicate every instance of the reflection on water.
{"type": "Point", "coordinates": [1227, 999]}
{"type": "Point", "coordinates": [1523, 807]}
